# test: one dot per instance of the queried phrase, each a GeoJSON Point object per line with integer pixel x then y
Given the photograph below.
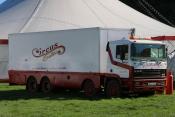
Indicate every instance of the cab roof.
{"type": "Point", "coordinates": [145, 41]}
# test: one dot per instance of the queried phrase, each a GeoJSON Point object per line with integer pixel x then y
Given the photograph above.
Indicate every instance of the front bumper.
{"type": "Point", "coordinates": [149, 85]}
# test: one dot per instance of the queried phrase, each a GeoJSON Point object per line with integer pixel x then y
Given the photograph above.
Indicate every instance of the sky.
{"type": "Point", "coordinates": [1, 1]}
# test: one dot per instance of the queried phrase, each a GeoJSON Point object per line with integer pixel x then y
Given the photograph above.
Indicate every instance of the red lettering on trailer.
{"type": "Point", "coordinates": [48, 52]}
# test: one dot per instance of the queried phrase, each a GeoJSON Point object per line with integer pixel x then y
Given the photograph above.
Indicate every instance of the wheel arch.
{"type": "Point", "coordinates": [83, 82]}
{"type": "Point", "coordinates": [30, 77]}
{"type": "Point", "coordinates": [43, 78]}
{"type": "Point", "coordinates": [107, 77]}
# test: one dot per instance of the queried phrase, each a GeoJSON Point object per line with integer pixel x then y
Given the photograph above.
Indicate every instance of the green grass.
{"type": "Point", "coordinates": [16, 102]}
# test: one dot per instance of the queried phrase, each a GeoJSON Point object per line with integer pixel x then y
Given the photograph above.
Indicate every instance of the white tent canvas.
{"type": "Point", "coordinates": [44, 15]}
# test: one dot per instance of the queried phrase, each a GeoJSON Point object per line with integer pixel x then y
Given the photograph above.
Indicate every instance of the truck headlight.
{"type": "Point", "coordinates": [160, 83]}
{"type": "Point", "coordinates": [163, 74]}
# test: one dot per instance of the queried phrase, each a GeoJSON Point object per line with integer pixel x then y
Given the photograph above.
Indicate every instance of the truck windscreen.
{"type": "Point", "coordinates": [148, 51]}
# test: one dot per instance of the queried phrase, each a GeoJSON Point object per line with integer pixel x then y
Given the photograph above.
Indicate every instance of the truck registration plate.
{"type": "Point", "coordinates": [152, 84]}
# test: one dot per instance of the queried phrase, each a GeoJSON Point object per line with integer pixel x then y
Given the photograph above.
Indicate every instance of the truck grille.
{"type": "Point", "coordinates": [149, 72]}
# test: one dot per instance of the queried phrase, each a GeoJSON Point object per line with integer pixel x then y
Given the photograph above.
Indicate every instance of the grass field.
{"type": "Point", "coordinates": [16, 102]}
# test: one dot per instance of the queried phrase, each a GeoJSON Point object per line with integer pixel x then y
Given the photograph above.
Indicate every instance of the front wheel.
{"type": "Point", "coordinates": [112, 89]}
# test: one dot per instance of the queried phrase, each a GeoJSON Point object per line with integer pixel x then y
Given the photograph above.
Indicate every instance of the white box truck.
{"type": "Point", "coordinates": [90, 59]}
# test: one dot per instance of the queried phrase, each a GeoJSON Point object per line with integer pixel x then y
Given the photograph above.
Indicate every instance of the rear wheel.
{"type": "Point", "coordinates": [112, 89]}
{"type": "Point", "coordinates": [46, 86]}
{"type": "Point", "coordinates": [89, 88]}
{"type": "Point", "coordinates": [31, 85]}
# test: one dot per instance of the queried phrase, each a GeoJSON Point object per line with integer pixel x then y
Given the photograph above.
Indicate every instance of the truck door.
{"type": "Point", "coordinates": [120, 59]}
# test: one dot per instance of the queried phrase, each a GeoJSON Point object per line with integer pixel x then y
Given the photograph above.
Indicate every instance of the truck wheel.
{"type": "Point", "coordinates": [89, 88]}
{"type": "Point", "coordinates": [31, 85]}
{"type": "Point", "coordinates": [46, 86]}
{"type": "Point", "coordinates": [112, 89]}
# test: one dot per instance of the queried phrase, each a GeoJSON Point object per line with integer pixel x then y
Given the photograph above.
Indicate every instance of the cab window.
{"type": "Point", "coordinates": [122, 52]}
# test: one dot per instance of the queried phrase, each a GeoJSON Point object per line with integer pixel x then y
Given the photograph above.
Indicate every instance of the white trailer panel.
{"type": "Point", "coordinates": [85, 50]}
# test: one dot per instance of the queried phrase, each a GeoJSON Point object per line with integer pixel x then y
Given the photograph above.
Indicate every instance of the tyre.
{"type": "Point", "coordinates": [31, 85]}
{"type": "Point", "coordinates": [112, 89]}
{"type": "Point", "coordinates": [89, 88]}
{"type": "Point", "coordinates": [46, 86]}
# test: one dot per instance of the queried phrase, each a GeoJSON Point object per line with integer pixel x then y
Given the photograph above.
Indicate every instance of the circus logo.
{"type": "Point", "coordinates": [48, 52]}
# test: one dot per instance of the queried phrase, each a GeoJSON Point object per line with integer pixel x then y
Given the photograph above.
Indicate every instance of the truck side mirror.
{"type": "Point", "coordinates": [166, 49]}
{"type": "Point", "coordinates": [166, 52]}
{"type": "Point", "coordinates": [122, 56]}
{"type": "Point", "coordinates": [107, 47]}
